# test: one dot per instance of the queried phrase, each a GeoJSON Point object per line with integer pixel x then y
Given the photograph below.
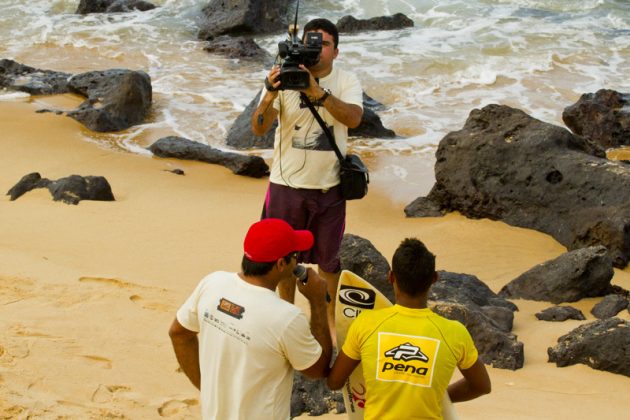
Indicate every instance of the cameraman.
{"type": "Point", "coordinates": [304, 183]}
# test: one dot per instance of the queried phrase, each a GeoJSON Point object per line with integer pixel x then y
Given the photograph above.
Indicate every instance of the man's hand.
{"type": "Point", "coordinates": [274, 80]}
{"type": "Point", "coordinates": [314, 91]}
{"type": "Point", "coordinates": [314, 289]}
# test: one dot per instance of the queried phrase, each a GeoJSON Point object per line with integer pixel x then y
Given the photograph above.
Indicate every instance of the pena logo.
{"type": "Point", "coordinates": [407, 352]}
{"type": "Point", "coordinates": [405, 358]}
{"type": "Point", "coordinates": [357, 297]}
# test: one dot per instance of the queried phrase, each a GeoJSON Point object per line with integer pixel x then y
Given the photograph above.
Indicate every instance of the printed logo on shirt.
{"type": "Point", "coordinates": [406, 358]}
{"type": "Point", "coordinates": [230, 308]}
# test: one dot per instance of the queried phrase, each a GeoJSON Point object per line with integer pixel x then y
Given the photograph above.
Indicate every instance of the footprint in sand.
{"type": "Point", "coordinates": [154, 306]}
{"type": "Point", "coordinates": [112, 282]}
{"type": "Point", "coordinates": [107, 393]}
{"type": "Point", "coordinates": [174, 407]}
{"type": "Point", "coordinates": [106, 363]}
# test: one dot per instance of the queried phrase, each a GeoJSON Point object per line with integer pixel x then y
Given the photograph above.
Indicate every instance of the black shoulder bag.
{"type": "Point", "coordinates": [353, 173]}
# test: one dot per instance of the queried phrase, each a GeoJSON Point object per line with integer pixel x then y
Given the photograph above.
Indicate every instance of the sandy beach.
{"type": "Point", "coordinates": [87, 292]}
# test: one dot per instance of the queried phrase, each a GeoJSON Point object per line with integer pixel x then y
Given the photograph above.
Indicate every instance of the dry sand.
{"type": "Point", "coordinates": [87, 292]}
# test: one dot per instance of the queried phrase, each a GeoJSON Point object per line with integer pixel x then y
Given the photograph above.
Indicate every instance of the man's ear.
{"type": "Point", "coordinates": [390, 277]}
{"type": "Point", "coordinates": [436, 277]}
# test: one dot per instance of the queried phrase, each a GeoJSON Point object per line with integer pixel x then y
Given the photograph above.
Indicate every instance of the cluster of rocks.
{"type": "Point", "coordinates": [505, 165]}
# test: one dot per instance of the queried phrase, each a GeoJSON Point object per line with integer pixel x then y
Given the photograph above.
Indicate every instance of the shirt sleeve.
{"type": "Point", "coordinates": [469, 354]}
{"type": "Point", "coordinates": [352, 92]}
{"type": "Point", "coordinates": [352, 346]}
{"type": "Point", "coordinates": [300, 347]}
{"type": "Point", "coordinates": [187, 314]}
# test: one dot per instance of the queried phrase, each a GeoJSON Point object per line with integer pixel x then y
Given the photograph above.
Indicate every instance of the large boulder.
{"type": "Point", "coordinates": [240, 134]}
{"type": "Point", "coordinates": [181, 148]}
{"type": "Point", "coordinates": [610, 306]}
{"type": "Point", "coordinates": [243, 17]}
{"type": "Point", "coordinates": [116, 99]}
{"type": "Point", "coordinates": [16, 76]}
{"type": "Point", "coordinates": [381, 23]}
{"type": "Point", "coordinates": [239, 47]}
{"type": "Point", "coordinates": [506, 165]}
{"type": "Point", "coordinates": [572, 276]}
{"type": "Point", "coordinates": [602, 345]}
{"type": "Point", "coordinates": [363, 259]}
{"type": "Point", "coordinates": [496, 347]}
{"type": "Point", "coordinates": [603, 117]}
{"type": "Point", "coordinates": [111, 6]}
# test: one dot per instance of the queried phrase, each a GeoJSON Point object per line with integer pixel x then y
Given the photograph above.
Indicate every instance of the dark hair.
{"type": "Point", "coordinates": [252, 268]}
{"type": "Point", "coordinates": [413, 266]}
{"type": "Point", "coordinates": [326, 26]}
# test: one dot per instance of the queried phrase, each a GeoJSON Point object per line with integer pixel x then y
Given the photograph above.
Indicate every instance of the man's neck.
{"type": "Point", "coordinates": [259, 281]}
{"type": "Point", "coordinates": [322, 73]}
{"type": "Point", "coordinates": [413, 302]}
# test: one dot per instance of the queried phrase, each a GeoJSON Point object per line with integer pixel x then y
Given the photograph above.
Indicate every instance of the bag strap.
{"type": "Point", "coordinates": [321, 122]}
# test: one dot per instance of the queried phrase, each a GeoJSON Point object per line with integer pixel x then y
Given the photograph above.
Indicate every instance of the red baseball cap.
{"type": "Point", "coordinates": [271, 239]}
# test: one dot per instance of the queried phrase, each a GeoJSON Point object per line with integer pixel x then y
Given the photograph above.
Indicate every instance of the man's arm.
{"type": "Point", "coordinates": [315, 291]}
{"type": "Point", "coordinates": [264, 116]}
{"type": "Point", "coordinates": [348, 114]}
{"type": "Point", "coordinates": [186, 346]}
{"type": "Point", "coordinates": [475, 383]}
{"type": "Point", "coordinates": [341, 370]}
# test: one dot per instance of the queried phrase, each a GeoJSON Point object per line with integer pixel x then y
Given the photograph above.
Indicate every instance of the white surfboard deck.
{"type": "Point", "coordinates": [353, 295]}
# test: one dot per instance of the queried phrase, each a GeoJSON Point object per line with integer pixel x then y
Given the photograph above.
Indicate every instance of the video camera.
{"type": "Point", "coordinates": [294, 52]}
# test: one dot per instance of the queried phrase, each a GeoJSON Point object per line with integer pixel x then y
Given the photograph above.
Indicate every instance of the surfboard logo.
{"type": "Point", "coordinates": [407, 352]}
{"type": "Point", "coordinates": [357, 297]}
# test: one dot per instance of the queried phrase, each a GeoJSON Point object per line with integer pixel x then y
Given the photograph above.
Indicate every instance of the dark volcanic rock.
{"type": "Point", "coordinates": [243, 17]}
{"type": "Point", "coordinates": [117, 99]}
{"type": "Point", "coordinates": [468, 290]}
{"type": "Point", "coordinates": [359, 256]}
{"type": "Point", "coordinates": [16, 76]}
{"type": "Point", "coordinates": [70, 190]}
{"type": "Point", "coordinates": [496, 347]}
{"type": "Point", "coordinates": [610, 306]}
{"type": "Point", "coordinates": [570, 277]}
{"type": "Point", "coordinates": [181, 148]}
{"type": "Point", "coordinates": [602, 117]}
{"type": "Point", "coordinates": [509, 166]}
{"type": "Point", "coordinates": [239, 48]}
{"type": "Point", "coordinates": [112, 6]}
{"type": "Point", "coordinates": [560, 313]}
{"type": "Point", "coordinates": [382, 23]}
{"type": "Point", "coordinates": [240, 135]}
{"type": "Point", "coordinates": [602, 345]}
{"type": "Point", "coordinates": [313, 397]}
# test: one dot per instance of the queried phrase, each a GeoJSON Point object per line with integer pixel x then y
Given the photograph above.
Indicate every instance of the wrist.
{"type": "Point", "coordinates": [325, 94]}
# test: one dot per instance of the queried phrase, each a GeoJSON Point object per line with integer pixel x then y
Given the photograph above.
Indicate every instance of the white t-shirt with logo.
{"type": "Point", "coordinates": [250, 341]}
{"type": "Point", "coordinates": [303, 157]}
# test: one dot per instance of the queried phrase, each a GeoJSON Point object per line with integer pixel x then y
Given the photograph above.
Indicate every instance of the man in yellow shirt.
{"type": "Point", "coordinates": [408, 353]}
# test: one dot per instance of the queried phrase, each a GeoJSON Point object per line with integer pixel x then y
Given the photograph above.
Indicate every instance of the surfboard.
{"type": "Point", "coordinates": [353, 296]}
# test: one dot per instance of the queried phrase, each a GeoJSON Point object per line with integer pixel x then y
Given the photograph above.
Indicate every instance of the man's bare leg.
{"type": "Point", "coordinates": [286, 290]}
{"type": "Point", "coordinates": [332, 280]}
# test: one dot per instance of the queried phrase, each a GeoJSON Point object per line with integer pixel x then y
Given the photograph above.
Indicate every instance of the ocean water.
{"type": "Point", "coordinates": [536, 55]}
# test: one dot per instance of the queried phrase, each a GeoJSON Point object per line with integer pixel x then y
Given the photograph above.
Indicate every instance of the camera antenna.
{"type": "Point", "coordinates": [293, 29]}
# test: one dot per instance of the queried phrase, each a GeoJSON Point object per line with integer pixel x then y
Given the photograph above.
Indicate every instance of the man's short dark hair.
{"type": "Point", "coordinates": [251, 268]}
{"type": "Point", "coordinates": [413, 266]}
{"type": "Point", "coordinates": [326, 26]}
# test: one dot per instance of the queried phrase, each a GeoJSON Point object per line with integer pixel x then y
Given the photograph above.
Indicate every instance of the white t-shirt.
{"type": "Point", "coordinates": [250, 341]}
{"type": "Point", "coordinates": [303, 157]}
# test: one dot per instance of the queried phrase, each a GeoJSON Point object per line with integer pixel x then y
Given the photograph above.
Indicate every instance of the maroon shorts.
{"type": "Point", "coordinates": [321, 212]}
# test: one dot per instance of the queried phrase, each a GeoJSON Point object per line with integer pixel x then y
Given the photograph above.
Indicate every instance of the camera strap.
{"type": "Point", "coordinates": [321, 122]}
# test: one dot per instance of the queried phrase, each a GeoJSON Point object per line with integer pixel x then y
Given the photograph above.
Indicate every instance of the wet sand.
{"type": "Point", "coordinates": [87, 292]}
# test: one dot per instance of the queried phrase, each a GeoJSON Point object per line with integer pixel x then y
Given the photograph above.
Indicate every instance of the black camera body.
{"type": "Point", "coordinates": [294, 52]}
